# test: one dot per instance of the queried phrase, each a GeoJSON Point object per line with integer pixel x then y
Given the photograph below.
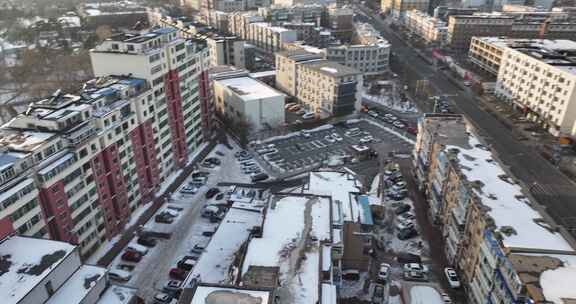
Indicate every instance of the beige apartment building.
{"type": "Point", "coordinates": [539, 78]}
{"type": "Point", "coordinates": [398, 8]}
{"type": "Point", "coordinates": [494, 232]}
{"type": "Point", "coordinates": [431, 30]}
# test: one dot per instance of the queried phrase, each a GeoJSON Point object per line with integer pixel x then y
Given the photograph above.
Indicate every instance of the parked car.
{"type": "Point", "coordinates": [208, 233]}
{"type": "Point", "coordinates": [189, 190]}
{"type": "Point", "coordinates": [259, 177]}
{"type": "Point", "coordinates": [405, 257]}
{"type": "Point", "coordinates": [398, 125]}
{"type": "Point", "coordinates": [213, 160]}
{"type": "Point", "coordinates": [178, 274]}
{"type": "Point", "coordinates": [308, 116]}
{"type": "Point", "coordinates": [162, 298]}
{"type": "Point", "coordinates": [366, 139]}
{"type": "Point", "coordinates": [384, 272]}
{"type": "Point", "coordinates": [212, 192]}
{"type": "Point", "coordinates": [399, 185]}
{"type": "Point", "coordinates": [402, 209]}
{"type": "Point", "coordinates": [404, 225]}
{"type": "Point", "coordinates": [452, 277]}
{"type": "Point", "coordinates": [289, 105]}
{"type": "Point", "coordinates": [143, 250]}
{"type": "Point", "coordinates": [126, 267]}
{"type": "Point", "coordinates": [305, 133]}
{"type": "Point", "coordinates": [300, 112]}
{"type": "Point", "coordinates": [146, 241]}
{"type": "Point", "coordinates": [446, 298]}
{"type": "Point", "coordinates": [406, 217]}
{"type": "Point", "coordinates": [372, 113]}
{"type": "Point", "coordinates": [173, 288]}
{"type": "Point", "coordinates": [186, 263]}
{"type": "Point", "coordinates": [164, 218]}
{"type": "Point", "coordinates": [378, 295]}
{"type": "Point", "coordinates": [219, 196]}
{"type": "Point", "coordinates": [390, 171]}
{"type": "Point", "coordinates": [119, 275]}
{"type": "Point", "coordinates": [131, 256]}
{"type": "Point", "coordinates": [337, 136]}
{"type": "Point", "coordinates": [329, 139]}
{"type": "Point", "coordinates": [294, 108]}
{"type": "Point", "coordinates": [412, 130]}
{"type": "Point", "coordinates": [407, 233]}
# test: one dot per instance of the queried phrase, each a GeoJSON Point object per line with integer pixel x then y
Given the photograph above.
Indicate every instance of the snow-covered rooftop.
{"type": "Point", "coordinates": [558, 284]}
{"type": "Point", "coordinates": [211, 294]}
{"type": "Point", "coordinates": [24, 141]}
{"type": "Point", "coordinates": [510, 209]}
{"type": "Point", "coordinates": [25, 262]}
{"type": "Point", "coordinates": [214, 264]}
{"type": "Point", "coordinates": [293, 228]}
{"type": "Point", "coordinates": [424, 295]}
{"type": "Point", "coordinates": [249, 89]}
{"type": "Point", "coordinates": [338, 185]}
{"type": "Point", "coordinates": [78, 285]}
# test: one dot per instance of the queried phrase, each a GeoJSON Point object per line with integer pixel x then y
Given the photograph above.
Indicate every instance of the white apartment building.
{"type": "Point", "coordinates": [226, 51]}
{"type": "Point", "coordinates": [370, 59]}
{"type": "Point", "coordinates": [287, 65]}
{"type": "Point", "coordinates": [175, 68]}
{"type": "Point", "coordinates": [248, 100]}
{"type": "Point", "coordinates": [539, 77]}
{"type": "Point", "coordinates": [268, 37]}
{"type": "Point", "coordinates": [428, 28]}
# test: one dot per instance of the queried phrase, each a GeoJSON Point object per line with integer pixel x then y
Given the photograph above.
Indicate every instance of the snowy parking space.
{"type": "Point", "coordinates": [306, 150]}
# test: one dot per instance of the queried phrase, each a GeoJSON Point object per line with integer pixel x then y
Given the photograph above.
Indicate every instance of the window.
{"type": "Point", "coordinates": [130, 48]}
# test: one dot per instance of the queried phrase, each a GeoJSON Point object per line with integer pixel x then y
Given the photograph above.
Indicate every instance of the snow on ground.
{"type": "Point", "coordinates": [118, 295]}
{"type": "Point", "coordinates": [508, 206]}
{"type": "Point", "coordinates": [102, 250]}
{"type": "Point", "coordinates": [206, 294]}
{"type": "Point", "coordinates": [75, 288]}
{"type": "Point", "coordinates": [386, 101]}
{"type": "Point", "coordinates": [351, 289]}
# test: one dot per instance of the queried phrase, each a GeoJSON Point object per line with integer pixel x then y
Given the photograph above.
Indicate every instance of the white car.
{"type": "Point", "coordinates": [143, 250]}
{"type": "Point", "coordinates": [415, 267]}
{"type": "Point", "coordinates": [119, 275]}
{"type": "Point", "coordinates": [188, 190]}
{"type": "Point", "coordinates": [308, 116]}
{"type": "Point", "coordinates": [446, 298]}
{"type": "Point", "coordinates": [300, 112]}
{"type": "Point", "coordinates": [404, 225]}
{"type": "Point", "coordinates": [384, 272]}
{"type": "Point", "coordinates": [406, 217]}
{"type": "Point", "coordinates": [372, 113]}
{"type": "Point", "coordinates": [330, 139]}
{"type": "Point", "coordinates": [366, 139]}
{"type": "Point", "coordinates": [305, 133]}
{"type": "Point", "coordinates": [452, 277]}
{"type": "Point", "coordinates": [399, 186]}
{"type": "Point", "coordinates": [337, 137]}
{"type": "Point", "coordinates": [289, 105]}
{"type": "Point", "coordinates": [399, 125]}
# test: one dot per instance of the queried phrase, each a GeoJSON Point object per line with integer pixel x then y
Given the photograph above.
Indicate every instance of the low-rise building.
{"type": "Point", "coordinates": [123, 14]}
{"type": "Point", "coordinates": [287, 64]}
{"type": "Point", "coordinates": [398, 8]}
{"type": "Point", "coordinates": [246, 100]}
{"type": "Point", "coordinates": [268, 37]}
{"type": "Point", "coordinates": [498, 238]}
{"type": "Point", "coordinates": [312, 13]}
{"type": "Point", "coordinates": [431, 30]}
{"type": "Point", "coordinates": [226, 50]}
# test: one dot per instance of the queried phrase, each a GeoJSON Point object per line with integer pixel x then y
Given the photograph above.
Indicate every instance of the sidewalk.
{"type": "Point", "coordinates": [130, 232]}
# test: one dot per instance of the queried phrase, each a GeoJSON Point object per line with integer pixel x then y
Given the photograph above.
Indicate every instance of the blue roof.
{"type": "Point", "coordinates": [366, 218]}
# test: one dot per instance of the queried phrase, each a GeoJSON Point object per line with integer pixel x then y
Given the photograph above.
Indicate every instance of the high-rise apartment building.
{"type": "Point", "coordinates": [175, 69]}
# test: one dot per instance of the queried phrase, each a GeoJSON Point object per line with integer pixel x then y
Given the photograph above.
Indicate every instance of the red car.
{"type": "Point", "coordinates": [131, 256]}
{"type": "Point", "coordinates": [178, 274]}
{"type": "Point", "coordinates": [412, 130]}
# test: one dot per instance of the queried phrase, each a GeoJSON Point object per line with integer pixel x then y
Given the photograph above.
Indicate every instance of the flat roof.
{"type": "Point", "coordinates": [215, 294]}
{"type": "Point", "coordinates": [220, 254]}
{"type": "Point", "coordinates": [293, 228]}
{"type": "Point", "coordinates": [249, 89]}
{"type": "Point", "coordinates": [24, 141]}
{"type": "Point", "coordinates": [78, 285]}
{"type": "Point", "coordinates": [116, 294]}
{"type": "Point", "coordinates": [514, 218]}
{"type": "Point", "coordinates": [25, 262]}
{"type": "Point", "coordinates": [332, 68]}
{"type": "Point", "coordinates": [338, 185]}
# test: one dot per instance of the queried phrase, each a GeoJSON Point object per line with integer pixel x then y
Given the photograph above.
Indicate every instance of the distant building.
{"type": "Point", "coordinates": [268, 37]}
{"type": "Point", "coordinates": [314, 13]}
{"type": "Point", "coordinates": [244, 99]}
{"type": "Point", "coordinates": [398, 8]}
{"type": "Point", "coordinates": [226, 50]}
{"type": "Point", "coordinates": [341, 22]}
{"type": "Point", "coordinates": [287, 65]}
{"type": "Point", "coordinates": [432, 30]}
{"type": "Point", "coordinates": [123, 14]}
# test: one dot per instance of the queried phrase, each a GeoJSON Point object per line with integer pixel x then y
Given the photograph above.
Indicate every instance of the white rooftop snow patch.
{"type": "Point", "coordinates": [203, 294]}
{"type": "Point", "coordinates": [24, 267]}
{"type": "Point", "coordinates": [424, 295]}
{"type": "Point", "coordinates": [338, 185]}
{"type": "Point", "coordinates": [500, 196]}
{"type": "Point", "coordinates": [329, 70]}
{"type": "Point", "coordinates": [559, 283]}
{"type": "Point", "coordinates": [79, 285]}
{"type": "Point", "coordinates": [117, 295]}
{"type": "Point", "coordinates": [249, 89]}
{"type": "Point", "coordinates": [286, 230]}
{"type": "Point", "coordinates": [213, 265]}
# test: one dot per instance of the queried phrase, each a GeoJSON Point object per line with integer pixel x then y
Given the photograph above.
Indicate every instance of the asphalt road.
{"type": "Point", "coordinates": [552, 189]}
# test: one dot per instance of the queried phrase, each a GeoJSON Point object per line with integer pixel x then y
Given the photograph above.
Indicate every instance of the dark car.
{"type": "Point", "coordinates": [219, 196]}
{"type": "Point", "coordinates": [186, 263]}
{"type": "Point", "coordinates": [146, 241]}
{"type": "Point", "coordinates": [178, 274]}
{"type": "Point", "coordinates": [212, 192]}
{"type": "Point", "coordinates": [163, 218]}
{"type": "Point", "coordinates": [403, 209]}
{"type": "Point", "coordinates": [131, 256]}
{"type": "Point", "coordinates": [407, 258]}
{"type": "Point", "coordinates": [213, 160]}
{"type": "Point", "coordinates": [407, 233]}
{"type": "Point", "coordinates": [259, 177]}
{"type": "Point", "coordinates": [208, 233]}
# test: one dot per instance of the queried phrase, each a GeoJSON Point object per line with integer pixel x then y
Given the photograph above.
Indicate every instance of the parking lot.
{"type": "Point", "coordinates": [300, 151]}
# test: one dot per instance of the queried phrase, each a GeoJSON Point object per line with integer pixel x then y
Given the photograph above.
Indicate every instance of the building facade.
{"type": "Point", "coordinates": [539, 78]}
{"type": "Point", "coordinates": [496, 236]}
{"type": "Point", "coordinates": [433, 31]}
{"type": "Point", "coordinates": [268, 37]}
{"type": "Point", "coordinates": [398, 8]}
{"type": "Point", "coordinates": [226, 51]}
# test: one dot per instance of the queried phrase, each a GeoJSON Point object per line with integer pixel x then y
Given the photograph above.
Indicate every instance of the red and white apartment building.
{"type": "Point", "coordinates": [74, 168]}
